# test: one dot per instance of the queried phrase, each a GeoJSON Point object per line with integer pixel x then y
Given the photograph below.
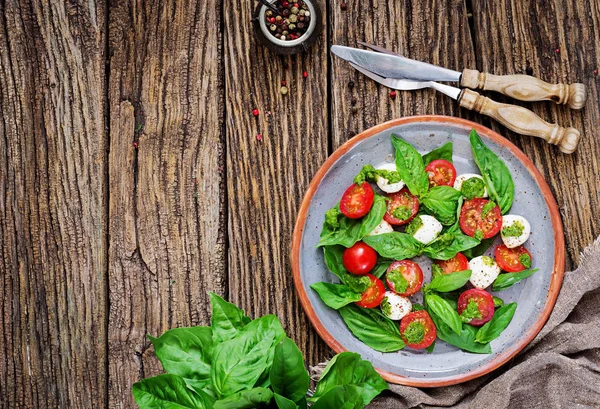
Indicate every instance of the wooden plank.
{"type": "Point", "coordinates": [53, 197]}
{"type": "Point", "coordinates": [268, 178]}
{"type": "Point", "coordinates": [167, 209]}
{"type": "Point", "coordinates": [556, 41]}
{"type": "Point", "coordinates": [434, 31]}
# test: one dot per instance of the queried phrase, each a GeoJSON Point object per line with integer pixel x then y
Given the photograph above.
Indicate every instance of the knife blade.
{"type": "Point", "coordinates": [393, 66]}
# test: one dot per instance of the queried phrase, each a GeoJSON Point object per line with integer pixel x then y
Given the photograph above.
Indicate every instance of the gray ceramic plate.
{"type": "Point", "coordinates": [535, 296]}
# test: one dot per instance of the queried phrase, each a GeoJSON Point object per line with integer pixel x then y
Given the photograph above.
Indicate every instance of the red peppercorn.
{"type": "Point", "coordinates": [305, 74]}
{"type": "Point", "coordinates": [296, 5]}
{"type": "Point", "coordinates": [343, 5]}
{"type": "Point", "coordinates": [285, 4]}
{"type": "Point", "coordinates": [558, 50]}
{"type": "Point", "coordinates": [255, 112]}
{"type": "Point", "coordinates": [393, 94]}
{"type": "Point", "coordinates": [135, 145]}
{"type": "Point", "coordinates": [259, 137]}
{"type": "Point", "coordinates": [595, 72]}
{"type": "Point", "coordinates": [283, 83]}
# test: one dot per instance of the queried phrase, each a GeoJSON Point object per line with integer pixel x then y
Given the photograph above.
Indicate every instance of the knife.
{"type": "Point", "coordinates": [521, 87]}
{"type": "Point", "coordinates": [514, 117]}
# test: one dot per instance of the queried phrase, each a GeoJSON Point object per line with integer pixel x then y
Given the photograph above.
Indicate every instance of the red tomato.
{"type": "Point", "coordinates": [357, 200]}
{"type": "Point", "coordinates": [372, 297]}
{"type": "Point", "coordinates": [471, 220]}
{"type": "Point", "coordinates": [417, 330]}
{"type": "Point", "coordinates": [456, 263]}
{"type": "Point", "coordinates": [411, 273]}
{"type": "Point", "coordinates": [402, 200]}
{"type": "Point", "coordinates": [359, 259]}
{"type": "Point", "coordinates": [509, 259]}
{"type": "Point", "coordinates": [441, 173]}
{"type": "Point", "coordinates": [485, 305]}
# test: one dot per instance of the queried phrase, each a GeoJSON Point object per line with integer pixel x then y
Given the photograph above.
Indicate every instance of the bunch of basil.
{"type": "Point", "coordinates": [239, 363]}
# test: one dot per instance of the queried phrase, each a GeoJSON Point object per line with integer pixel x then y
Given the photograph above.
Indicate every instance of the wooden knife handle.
{"type": "Point", "coordinates": [521, 120]}
{"type": "Point", "coordinates": [526, 88]}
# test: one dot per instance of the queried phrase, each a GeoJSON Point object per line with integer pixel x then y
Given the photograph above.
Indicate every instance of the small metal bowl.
{"type": "Point", "coordinates": [296, 46]}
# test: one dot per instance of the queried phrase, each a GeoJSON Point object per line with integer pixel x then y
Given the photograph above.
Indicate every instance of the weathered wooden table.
{"type": "Point", "coordinates": [132, 181]}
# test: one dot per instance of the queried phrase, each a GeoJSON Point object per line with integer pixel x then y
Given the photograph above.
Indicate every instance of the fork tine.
{"type": "Point", "coordinates": [377, 48]}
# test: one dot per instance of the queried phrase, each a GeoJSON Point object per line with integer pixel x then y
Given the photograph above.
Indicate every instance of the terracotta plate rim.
{"type": "Point", "coordinates": [559, 253]}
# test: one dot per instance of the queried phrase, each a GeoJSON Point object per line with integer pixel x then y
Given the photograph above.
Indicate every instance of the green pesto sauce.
{"type": "Point", "coordinates": [358, 284]}
{"type": "Point", "coordinates": [401, 212]}
{"type": "Point", "coordinates": [525, 260]}
{"type": "Point", "coordinates": [369, 173]}
{"type": "Point", "coordinates": [396, 278]}
{"type": "Point", "coordinates": [478, 234]}
{"type": "Point", "coordinates": [471, 312]}
{"type": "Point", "coordinates": [415, 225]}
{"type": "Point", "coordinates": [473, 187]}
{"type": "Point", "coordinates": [487, 208]}
{"type": "Point", "coordinates": [488, 261]}
{"type": "Point", "coordinates": [436, 270]}
{"type": "Point", "coordinates": [332, 218]}
{"type": "Point", "coordinates": [514, 230]}
{"type": "Point", "coordinates": [386, 307]}
{"type": "Point", "coordinates": [414, 333]}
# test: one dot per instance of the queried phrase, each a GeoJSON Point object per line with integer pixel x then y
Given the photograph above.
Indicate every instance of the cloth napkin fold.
{"type": "Point", "coordinates": [560, 368]}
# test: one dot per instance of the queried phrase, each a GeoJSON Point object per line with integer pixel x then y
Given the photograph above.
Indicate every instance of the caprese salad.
{"type": "Point", "coordinates": [420, 206]}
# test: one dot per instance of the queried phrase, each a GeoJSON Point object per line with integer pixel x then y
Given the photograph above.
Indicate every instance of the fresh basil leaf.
{"type": "Point", "coordinates": [333, 259]}
{"type": "Point", "coordinates": [443, 309]}
{"type": "Point", "coordinates": [493, 328]}
{"type": "Point", "coordinates": [372, 328]}
{"type": "Point", "coordinates": [340, 397]}
{"type": "Point", "coordinates": [479, 249]}
{"type": "Point", "coordinates": [348, 369]}
{"type": "Point", "coordinates": [409, 164]}
{"type": "Point", "coordinates": [186, 352]}
{"type": "Point", "coordinates": [449, 282]}
{"type": "Point", "coordinates": [169, 391]}
{"type": "Point", "coordinates": [284, 403]}
{"type": "Point", "coordinates": [442, 201]}
{"type": "Point", "coordinates": [464, 341]}
{"type": "Point", "coordinates": [288, 374]}
{"type": "Point", "coordinates": [381, 267]}
{"type": "Point", "coordinates": [496, 175]}
{"type": "Point", "coordinates": [239, 363]}
{"type": "Point", "coordinates": [506, 280]}
{"type": "Point", "coordinates": [395, 245]}
{"type": "Point", "coordinates": [227, 319]}
{"type": "Point", "coordinates": [498, 302]}
{"type": "Point", "coordinates": [352, 230]}
{"type": "Point", "coordinates": [460, 243]}
{"type": "Point", "coordinates": [335, 295]}
{"type": "Point", "coordinates": [248, 399]}
{"type": "Point", "coordinates": [443, 152]}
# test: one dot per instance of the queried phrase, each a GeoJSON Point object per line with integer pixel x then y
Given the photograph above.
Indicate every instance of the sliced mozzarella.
{"type": "Point", "coordinates": [509, 221]}
{"type": "Point", "coordinates": [398, 306]}
{"type": "Point", "coordinates": [460, 179]}
{"type": "Point", "coordinates": [384, 184]}
{"type": "Point", "coordinates": [429, 230]}
{"type": "Point", "coordinates": [381, 228]}
{"type": "Point", "coordinates": [484, 271]}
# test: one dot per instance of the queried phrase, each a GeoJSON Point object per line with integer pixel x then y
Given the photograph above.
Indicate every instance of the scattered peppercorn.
{"type": "Point", "coordinates": [354, 110]}
{"type": "Point", "coordinates": [305, 74]}
{"type": "Point", "coordinates": [393, 94]}
{"type": "Point", "coordinates": [350, 84]}
{"type": "Point", "coordinates": [353, 101]}
{"type": "Point", "coordinates": [343, 5]}
{"type": "Point", "coordinates": [283, 83]}
{"type": "Point", "coordinates": [259, 137]}
{"type": "Point", "coordinates": [283, 90]}
{"type": "Point", "coordinates": [255, 112]}
{"type": "Point", "coordinates": [595, 72]}
{"type": "Point", "coordinates": [557, 50]}
{"type": "Point", "coordinates": [135, 145]}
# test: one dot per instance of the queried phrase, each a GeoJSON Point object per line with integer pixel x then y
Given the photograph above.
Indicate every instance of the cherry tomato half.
{"type": "Point", "coordinates": [373, 296]}
{"type": "Point", "coordinates": [456, 263]}
{"type": "Point", "coordinates": [357, 200]}
{"type": "Point", "coordinates": [410, 271]}
{"type": "Point", "coordinates": [441, 173]}
{"type": "Point", "coordinates": [401, 202]}
{"type": "Point", "coordinates": [417, 330]}
{"type": "Point", "coordinates": [511, 260]}
{"type": "Point", "coordinates": [471, 220]}
{"type": "Point", "coordinates": [484, 301]}
{"type": "Point", "coordinates": [359, 259]}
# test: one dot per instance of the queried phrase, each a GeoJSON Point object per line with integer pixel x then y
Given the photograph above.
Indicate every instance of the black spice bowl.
{"type": "Point", "coordinates": [287, 47]}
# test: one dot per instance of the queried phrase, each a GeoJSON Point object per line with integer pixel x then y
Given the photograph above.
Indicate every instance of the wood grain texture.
{"type": "Point", "coordinates": [267, 179]}
{"type": "Point", "coordinates": [167, 208]}
{"type": "Point", "coordinates": [556, 41]}
{"type": "Point", "coordinates": [53, 196]}
{"type": "Point", "coordinates": [434, 31]}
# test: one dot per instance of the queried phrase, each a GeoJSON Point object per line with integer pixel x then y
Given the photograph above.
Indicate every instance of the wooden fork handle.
{"type": "Point", "coordinates": [521, 120]}
{"type": "Point", "coordinates": [526, 88]}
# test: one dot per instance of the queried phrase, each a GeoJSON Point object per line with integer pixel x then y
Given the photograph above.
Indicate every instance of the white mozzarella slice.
{"type": "Point", "coordinates": [395, 306]}
{"type": "Point", "coordinates": [384, 184]}
{"type": "Point", "coordinates": [460, 179]}
{"type": "Point", "coordinates": [521, 223]}
{"type": "Point", "coordinates": [429, 230]}
{"type": "Point", "coordinates": [484, 271]}
{"type": "Point", "coordinates": [381, 228]}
